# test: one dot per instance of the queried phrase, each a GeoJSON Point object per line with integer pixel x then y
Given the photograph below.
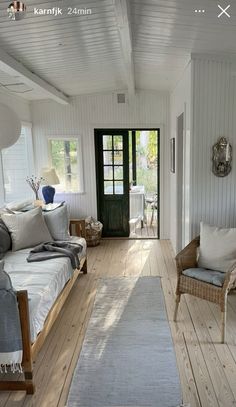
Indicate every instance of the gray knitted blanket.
{"type": "Point", "coordinates": [11, 351]}
{"type": "Point", "coordinates": [52, 250]}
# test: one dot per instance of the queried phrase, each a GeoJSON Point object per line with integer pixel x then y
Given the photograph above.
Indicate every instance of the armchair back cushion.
{"type": "Point", "coordinates": [217, 248]}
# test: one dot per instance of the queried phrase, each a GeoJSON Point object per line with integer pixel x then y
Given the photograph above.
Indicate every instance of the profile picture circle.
{"type": "Point", "coordinates": [16, 10]}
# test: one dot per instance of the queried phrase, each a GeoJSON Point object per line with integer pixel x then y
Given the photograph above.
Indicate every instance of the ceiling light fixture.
{"type": "Point", "coordinates": [10, 126]}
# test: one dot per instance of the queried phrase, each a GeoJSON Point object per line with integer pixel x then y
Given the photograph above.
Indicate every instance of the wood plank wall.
{"type": "Point", "coordinates": [213, 199]}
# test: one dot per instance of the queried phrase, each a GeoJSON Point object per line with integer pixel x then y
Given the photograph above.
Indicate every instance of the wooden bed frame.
{"type": "Point", "coordinates": [30, 350]}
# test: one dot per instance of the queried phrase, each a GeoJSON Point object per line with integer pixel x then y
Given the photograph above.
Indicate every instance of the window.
{"type": "Point", "coordinates": [65, 158]}
{"type": "Point", "coordinates": [17, 164]}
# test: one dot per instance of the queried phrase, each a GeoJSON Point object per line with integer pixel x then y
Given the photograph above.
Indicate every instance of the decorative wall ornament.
{"type": "Point", "coordinates": [222, 157]}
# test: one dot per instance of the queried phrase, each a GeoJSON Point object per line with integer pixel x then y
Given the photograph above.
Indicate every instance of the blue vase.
{"type": "Point", "coordinates": [48, 193]}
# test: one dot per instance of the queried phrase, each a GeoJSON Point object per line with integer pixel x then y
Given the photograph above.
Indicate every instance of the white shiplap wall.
{"type": "Point", "coordinates": [213, 199]}
{"type": "Point", "coordinates": [180, 102]}
{"type": "Point", "coordinates": [145, 109]}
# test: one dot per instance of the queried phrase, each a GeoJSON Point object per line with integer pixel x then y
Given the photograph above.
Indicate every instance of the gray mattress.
{"type": "Point", "coordinates": [43, 280]}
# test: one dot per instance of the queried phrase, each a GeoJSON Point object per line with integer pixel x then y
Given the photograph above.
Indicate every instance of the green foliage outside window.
{"type": "Point", "coordinates": [146, 159]}
{"type": "Point", "coordinates": [64, 157]}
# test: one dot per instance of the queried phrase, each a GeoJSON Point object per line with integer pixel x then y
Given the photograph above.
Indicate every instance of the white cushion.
{"type": "Point", "coordinates": [217, 247]}
{"type": "Point", "coordinates": [27, 229]}
{"type": "Point", "coordinates": [58, 223]}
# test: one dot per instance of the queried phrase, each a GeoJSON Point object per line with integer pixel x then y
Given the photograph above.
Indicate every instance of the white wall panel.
{"type": "Point", "coordinates": [213, 199]}
{"type": "Point", "coordinates": [146, 109]}
{"type": "Point", "coordinates": [180, 102]}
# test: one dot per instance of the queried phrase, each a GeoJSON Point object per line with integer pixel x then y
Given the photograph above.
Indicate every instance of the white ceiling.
{"type": "Point", "coordinates": [123, 44]}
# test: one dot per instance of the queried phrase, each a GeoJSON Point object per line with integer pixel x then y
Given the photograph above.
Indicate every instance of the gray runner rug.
{"type": "Point", "coordinates": [127, 358]}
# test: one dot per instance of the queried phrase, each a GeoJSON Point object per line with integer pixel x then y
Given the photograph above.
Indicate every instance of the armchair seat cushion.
{"type": "Point", "coordinates": [209, 276]}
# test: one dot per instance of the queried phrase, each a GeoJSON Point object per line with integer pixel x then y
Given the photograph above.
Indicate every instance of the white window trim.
{"type": "Point", "coordinates": [80, 174]}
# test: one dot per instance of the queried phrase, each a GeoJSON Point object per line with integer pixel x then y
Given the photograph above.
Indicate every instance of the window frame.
{"type": "Point", "coordinates": [80, 173]}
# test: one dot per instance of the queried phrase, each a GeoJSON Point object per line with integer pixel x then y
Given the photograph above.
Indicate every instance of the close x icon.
{"type": "Point", "coordinates": [224, 11]}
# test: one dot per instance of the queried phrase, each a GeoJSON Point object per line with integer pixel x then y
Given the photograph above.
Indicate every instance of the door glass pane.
{"type": "Point", "coordinates": [119, 188]}
{"type": "Point", "coordinates": [118, 143]}
{"type": "Point", "coordinates": [118, 157]}
{"type": "Point", "coordinates": [107, 143]}
{"type": "Point", "coordinates": [108, 187]}
{"type": "Point", "coordinates": [118, 172]}
{"type": "Point", "coordinates": [108, 172]}
{"type": "Point", "coordinates": [146, 160]}
{"type": "Point", "coordinates": [107, 157]}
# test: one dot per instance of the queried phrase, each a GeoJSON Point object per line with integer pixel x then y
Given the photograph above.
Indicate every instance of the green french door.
{"type": "Point", "coordinates": [112, 173]}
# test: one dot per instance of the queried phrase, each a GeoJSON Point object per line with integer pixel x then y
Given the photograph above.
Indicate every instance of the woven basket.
{"type": "Point", "coordinates": [93, 236]}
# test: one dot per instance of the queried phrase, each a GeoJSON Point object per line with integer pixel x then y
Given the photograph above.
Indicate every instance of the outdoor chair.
{"type": "Point", "coordinates": [152, 201]}
{"type": "Point", "coordinates": [190, 280]}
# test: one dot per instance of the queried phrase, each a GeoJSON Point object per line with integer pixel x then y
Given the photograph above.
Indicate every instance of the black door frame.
{"type": "Point", "coordinates": [124, 230]}
{"type": "Point", "coordinates": [133, 129]}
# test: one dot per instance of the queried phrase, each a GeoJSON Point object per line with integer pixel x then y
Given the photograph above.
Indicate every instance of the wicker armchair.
{"type": "Point", "coordinates": [187, 259]}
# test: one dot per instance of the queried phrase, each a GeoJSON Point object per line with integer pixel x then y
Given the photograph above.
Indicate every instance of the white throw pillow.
{"type": "Point", "coordinates": [27, 229]}
{"type": "Point", "coordinates": [217, 247]}
{"type": "Point", "coordinates": [58, 223]}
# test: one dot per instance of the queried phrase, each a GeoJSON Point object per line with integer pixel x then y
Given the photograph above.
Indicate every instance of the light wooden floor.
{"type": "Point", "coordinates": [207, 368]}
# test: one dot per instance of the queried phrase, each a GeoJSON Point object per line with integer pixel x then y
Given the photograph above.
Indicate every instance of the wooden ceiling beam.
{"type": "Point", "coordinates": [12, 67]}
{"type": "Point", "coordinates": [123, 23]}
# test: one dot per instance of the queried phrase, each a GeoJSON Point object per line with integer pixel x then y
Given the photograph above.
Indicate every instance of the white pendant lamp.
{"type": "Point", "coordinates": [10, 126]}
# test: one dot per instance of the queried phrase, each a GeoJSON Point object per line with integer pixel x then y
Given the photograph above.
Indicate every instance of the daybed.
{"type": "Point", "coordinates": [40, 300]}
